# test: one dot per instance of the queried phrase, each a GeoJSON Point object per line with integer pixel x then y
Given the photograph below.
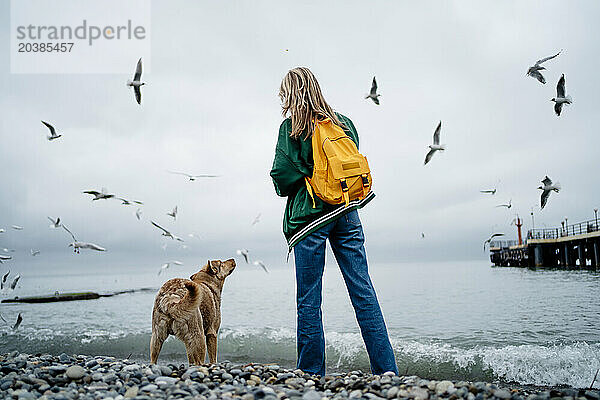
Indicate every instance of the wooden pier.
{"type": "Point", "coordinates": [574, 246]}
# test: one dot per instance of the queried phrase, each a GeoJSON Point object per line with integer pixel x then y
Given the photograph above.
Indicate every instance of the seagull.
{"type": "Point", "coordinates": [192, 235]}
{"type": "Point", "coordinates": [492, 191]}
{"type": "Point", "coordinates": [13, 285]}
{"type": "Point", "coordinates": [262, 264]}
{"type": "Point", "coordinates": [560, 98]}
{"type": "Point", "coordinates": [373, 95]}
{"type": "Point", "coordinates": [422, 235]}
{"type": "Point", "coordinates": [138, 213]}
{"type": "Point", "coordinates": [55, 223]}
{"type": "Point", "coordinates": [136, 83]}
{"type": "Point", "coordinates": [193, 177]}
{"type": "Point", "coordinates": [4, 278]}
{"type": "Point", "coordinates": [101, 195]}
{"type": "Point", "coordinates": [167, 265]}
{"type": "Point", "coordinates": [2, 230]}
{"type": "Point", "coordinates": [535, 70]}
{"type": "Point", "coordinates": [173, 213]}
{"type": "Point", "coordinates": [53, 134]}
{"type": "Point", "coordinates": [509, 205]}
{"type": "Point", "coordinates": [244, 252]}
{"type": "Point", "coordinates": [17, 227]}
{"type": "Point", "coordinates": [77, 245]}
{"type": "Point", "coordinates": [166, 232]}
{"type": "Point", "coordinates": [256, 219]}
{"type": "Point", "coordinates": [546, 189]}
{"type": "Point", "coordinates": [34, 252]}
{"type": "Point", "coordinates": [18, 323]}
{"type": "Point", "coordinates": [5, 257]}
{"type": "Point", "coordinates": [490, 239]}
{"type": "Point", "coordinates": [436, 144]}
{"type": "Point", "coordinates": [8, 250]}
{"type": "Point", "coordinates": [126, 202]}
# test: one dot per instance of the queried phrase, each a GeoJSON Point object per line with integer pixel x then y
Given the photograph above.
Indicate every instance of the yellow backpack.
{"type": "Point", "coordinates": [340, 172]}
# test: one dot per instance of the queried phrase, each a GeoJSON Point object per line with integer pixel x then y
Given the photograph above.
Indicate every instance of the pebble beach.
{"type": "Point", "coordinates": [44, 376]}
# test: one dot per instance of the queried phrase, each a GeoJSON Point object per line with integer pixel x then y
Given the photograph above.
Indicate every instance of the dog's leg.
{"type": "Point", "coordinates": [156, 342]}
{"type": "Point", "coordinates": [195, 346]}
{"type": "Point", "coordinates": [211, 344]}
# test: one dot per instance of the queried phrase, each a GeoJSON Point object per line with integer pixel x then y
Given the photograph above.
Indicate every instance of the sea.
{"type": "Point", "coordinates": [446, 320]}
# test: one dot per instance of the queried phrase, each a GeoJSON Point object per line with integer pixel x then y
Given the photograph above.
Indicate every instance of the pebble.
{"type": "Point", "coordinates": [69, 377]}
{"type": "Point", "coordinates": [75, 372]}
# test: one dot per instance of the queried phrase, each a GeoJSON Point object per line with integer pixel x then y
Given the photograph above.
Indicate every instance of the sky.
{"type": "Point", "coordinates": [211, 106]}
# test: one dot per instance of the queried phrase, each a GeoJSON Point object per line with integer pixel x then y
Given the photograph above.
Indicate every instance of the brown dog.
{"type": "Point", "coordinates": [191, 310]}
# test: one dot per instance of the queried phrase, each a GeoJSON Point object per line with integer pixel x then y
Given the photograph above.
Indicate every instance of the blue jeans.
{"type": "Point", "coordinates": [347, 242]}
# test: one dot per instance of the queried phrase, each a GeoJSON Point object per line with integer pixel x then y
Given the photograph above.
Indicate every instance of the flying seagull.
{"type": "Point", "coordinates": [101, 195]}
{"type": "Point", "coordinates": [34, 252]}
{"type": "Point", "coordinates": [261, 264]}
{"type": "Point", "coordinates": [136, 83]}
{"type": "Point", "coordinates": [244, 252]}
{"type": "Point", "coordinates": [491, 191]}
{"type": "Point", "coordinates": [509, 205]}
{"type": "Point", "coordinates": [193, 177]}
{"type": "Point", "coordinates": [422, 235]}
{"type": "Point", "coordinates": [488, 241]}
{"type": "Point", "coordinates": [167, 265]}
{"type": "Point", "coordinates": [138, 213]}
{"type": "Point", "coordinates": [55, 223]}
{"type": "Point", "coordinates": [126, 202]}
{"type": "Point", "coordinates": [535, 70]}
{"type": "Point", "coordinates": [560, 98]}
{"type": "Point", "coordinates": [166, 232]}
{"type": "Point", "coordinates": [77, 245]}
{"type": "Point", "coordinates": [436, 144]}
{"type": "Point", "coordinates": [13, 284]}
{"type": "Point", "coordinates": [53, 134]}
{"type": "Point", "coordinates": [5, 257]}
{"type": "Point", "coordinates": [547, 187]}
{"type": "Point", "coordinates": [373, 95]}
{"type": "Point", "coordinates": [17, 227]}
{"type": "Point", "coordinates": [173, 213]}
{"type": "Point", "coordinates": [2, 230]}
{"type": "Point", "coordinates": [256, 219]}
{"type": "Point", "coordinates": [4, 278]}
{"type": "Point", "coordinates": [18, 323]}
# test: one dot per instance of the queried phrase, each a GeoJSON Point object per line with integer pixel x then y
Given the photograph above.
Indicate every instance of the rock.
{"type": "Point", "coordinates": [131, 368]}
{"type": "Point", "coordinates": [443, 387]}
{"type": "Point", "coordinates": [311, 395]}
{"type": "Point", "coordinates": [418, 393]}
{"type": "Point", "coordinates": [131, 392]}
{"type": "Point", "coordinates": [355, 394]}
{"type": "Point", "coordinates": [592, 394]}
{"type": "Point", "coordinates": [149, 387]}
{"type": "Point", "coordinates": [392, 392]}
{"type": "Point", "coordinates": [502, 394]}
{"type": "Point", "coordinates": [166, 370]}
{"type": "Point", "coordinates": [75, 372]}
{"type": "Point", "coordinates": [167, 379]}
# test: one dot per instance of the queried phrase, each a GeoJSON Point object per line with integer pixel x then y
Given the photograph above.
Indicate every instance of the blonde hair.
{"type": "Point", "coordinates": [301, 96]}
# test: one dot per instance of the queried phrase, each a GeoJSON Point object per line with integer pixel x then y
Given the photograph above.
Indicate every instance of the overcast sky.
{"type": "Point", "coordinates": [211, 106]}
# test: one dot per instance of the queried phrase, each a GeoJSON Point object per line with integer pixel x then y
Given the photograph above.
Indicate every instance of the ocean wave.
{"type": "Point", "coordinates": [571, 364]}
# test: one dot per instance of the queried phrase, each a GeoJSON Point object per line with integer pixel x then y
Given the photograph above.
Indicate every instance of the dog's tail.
{"type": "Point", "coordinates": [183, 302]}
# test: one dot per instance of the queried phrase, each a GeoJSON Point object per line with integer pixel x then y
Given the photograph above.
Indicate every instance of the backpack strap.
{"type": "Point", "coordinates": [310, 191]}
{"type": "Point", "coordinates": [365, 184]}
{"type": "Point", "coordinates": [345, 191]}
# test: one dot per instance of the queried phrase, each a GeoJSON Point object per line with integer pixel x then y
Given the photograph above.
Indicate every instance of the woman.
{"type": "Point", "coordinates": [307, 226]}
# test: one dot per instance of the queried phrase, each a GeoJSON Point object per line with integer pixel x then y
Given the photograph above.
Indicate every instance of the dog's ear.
{"type": "Point", "coordinates": [214, 266]}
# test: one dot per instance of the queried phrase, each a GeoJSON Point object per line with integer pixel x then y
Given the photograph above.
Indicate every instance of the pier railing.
{"type": "Point", "coordinates": [569, 230]}
{"type": "Point", "coordinates": [503, 244]}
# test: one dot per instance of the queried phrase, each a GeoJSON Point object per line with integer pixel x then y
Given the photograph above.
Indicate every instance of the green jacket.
{"type": "Point", "coordinates": [293, 162]}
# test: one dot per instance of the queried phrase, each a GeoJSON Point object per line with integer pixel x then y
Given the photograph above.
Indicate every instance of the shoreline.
{"type": "Point", "coordinates": [24, 376]}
